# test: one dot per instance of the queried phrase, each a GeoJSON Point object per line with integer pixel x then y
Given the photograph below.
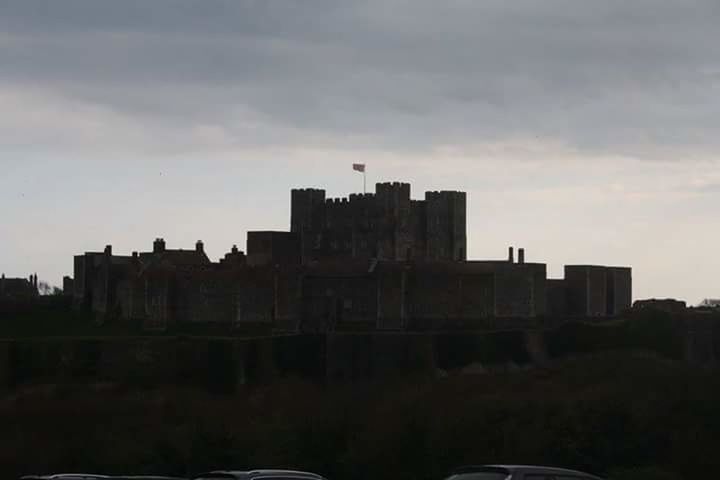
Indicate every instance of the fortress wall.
{"type": "Point", "coordinates": [5, 372]}
{"type": "Point", "coordinates": [514, 292]}
{"type": "Point", "coordinates": [226, 364]}
{"type": "Point", "coordinates": [390, 294]}
{"type": "Point", "coordinates": [557, 298]}
{"type": "Point", "coordinates": [620, 284]}
{"type": "Point", "coordinates": [597, 292]}
{"type": "Point", "coordinates": [217, 364]}
{"type": "Point", "coordinates": [432, 297]}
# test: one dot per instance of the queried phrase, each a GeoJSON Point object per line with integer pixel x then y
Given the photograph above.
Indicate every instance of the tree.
{"type": "Point", "coordinates": [45, 288]}
{"type": "Point", "coordinates": [710, 302]}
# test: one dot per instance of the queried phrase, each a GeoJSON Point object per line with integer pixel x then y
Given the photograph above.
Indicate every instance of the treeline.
{"type": "Point", "coordinates": [626, 416]}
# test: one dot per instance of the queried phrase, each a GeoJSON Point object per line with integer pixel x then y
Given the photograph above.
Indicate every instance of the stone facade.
{"type": "Point", "coordinates": [597, 291]}
{"type": "Point", "coordinates": [371, 262]}
{"type": "Point", "coordinates": [18, 288]}
{"type": "Point", "coordinates": [387, 225]}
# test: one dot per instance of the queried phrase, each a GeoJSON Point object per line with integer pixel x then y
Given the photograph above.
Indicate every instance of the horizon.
{"type": "Point", "coordinates": [583, 133]}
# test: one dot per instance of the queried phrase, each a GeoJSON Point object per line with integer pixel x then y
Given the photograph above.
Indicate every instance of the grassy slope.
{"type": "Point", "coordinates": [599, 413]}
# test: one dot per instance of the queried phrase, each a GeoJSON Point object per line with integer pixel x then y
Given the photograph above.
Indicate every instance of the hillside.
{"type": "Point", "coordinates": [603, 413]}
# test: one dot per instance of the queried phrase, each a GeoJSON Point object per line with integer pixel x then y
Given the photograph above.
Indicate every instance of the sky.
{"type": "Point", "coordinates": [583, 131]}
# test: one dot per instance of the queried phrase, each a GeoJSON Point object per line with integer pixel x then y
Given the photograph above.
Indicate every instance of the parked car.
{"type": "Point", "coordinates": [517, 472]}
{"type": "Point", "coordinates": [88, 476]}
{"type": "Point", "coordinates": [258, 475]}
{"type": "Point", "coordinates": [144, 477]}
{"type": "Point", "coordinates": [66, 476]}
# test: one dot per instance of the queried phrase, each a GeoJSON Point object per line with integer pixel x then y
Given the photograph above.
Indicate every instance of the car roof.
{"type": "Point", "coordinates": [89, 476]}
{"type": "Point", "coordinates": [522, 469]}
{"type": "Point", "coordinates": [144, 477]}
{"type": "Point", "coordinates": [60, 476]}
{"type": "Point", "coordinates": [260, 473]}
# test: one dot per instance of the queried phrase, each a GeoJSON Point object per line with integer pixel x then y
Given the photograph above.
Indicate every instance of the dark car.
{"type": "Point", "coordinates": [90, 476]}
{"type": "Point", "coordinates": [258, 475]}
{"type": "Point", "coordinates": [144, 477]}
{"type": "Point", "coordinates": [66, 476]}
{"type": "Point", "coordinates": [517, 472]}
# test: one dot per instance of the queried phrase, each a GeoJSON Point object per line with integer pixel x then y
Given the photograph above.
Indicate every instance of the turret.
{"type": "Point", "coordinates": [158, 245]}
{"type": "Point", "coordinates": [306, 209]}
{"type": "Point", "coordinates": [307, 219]}
{"type": "Point", "coordinates": [446, 225]}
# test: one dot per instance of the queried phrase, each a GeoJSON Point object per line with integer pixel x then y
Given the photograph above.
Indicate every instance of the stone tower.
{"type": "Point", "coordinates": [387, 225]}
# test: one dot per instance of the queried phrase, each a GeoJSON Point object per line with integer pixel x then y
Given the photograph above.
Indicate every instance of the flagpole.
{"type": "Point", "coordinates": [364, 184]}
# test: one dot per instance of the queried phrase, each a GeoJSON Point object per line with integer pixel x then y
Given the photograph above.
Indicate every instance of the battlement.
{"type": "Point", "coordinates": [361, 196]}
{"type": "Point", "coordinates": [337, 201]}
{"type": "Point", "coordinates": [386, 224]}
{"type": "Point", "coordinates": [308, 190]}
{"type": "Point", "coordinates": [387, 188]}
{"type": "Point", "coordinates": [435, 194]}
{"type": "Point", "coordinates": [392, 184]}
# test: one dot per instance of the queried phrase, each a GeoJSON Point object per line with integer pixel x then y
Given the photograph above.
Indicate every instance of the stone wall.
{"type": "Point", "coordinates": [598, 291]}
{"type": "Point", "coordinates": [225, 364]}
{"type": "Point", "coordinates": [387, 225]}
{"type": "Point", "coordinates": [619, 290]}
{"type": "Point", "coordinates": [216, 364]}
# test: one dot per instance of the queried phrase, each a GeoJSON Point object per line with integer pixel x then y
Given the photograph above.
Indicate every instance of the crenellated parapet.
{"type": "Point", "coordinates": [387, 224]}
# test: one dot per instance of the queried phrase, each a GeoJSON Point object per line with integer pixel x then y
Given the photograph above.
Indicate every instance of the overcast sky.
{"type": "Point", "coordinates": [584, 131]}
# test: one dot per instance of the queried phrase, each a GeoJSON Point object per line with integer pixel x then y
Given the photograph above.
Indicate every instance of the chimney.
{"type": "Point", "coordinates": [35, 282]}
{"type": "Point", "coordinates": [199, 247]}
{"type": "Point", "coordinates": [521, 255]}
{"type": "Point", "coordinates": [234, 249]}
{"type": "Point", "coordinates": [511, 254]}
{"type": "Point", "coordinates": [108, 249]}
{"type": "Point", "coordinates": [158, 245]}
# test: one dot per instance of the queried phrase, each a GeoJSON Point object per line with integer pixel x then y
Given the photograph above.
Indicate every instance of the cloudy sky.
{"type": "Point", "coordinates": [585, 131]}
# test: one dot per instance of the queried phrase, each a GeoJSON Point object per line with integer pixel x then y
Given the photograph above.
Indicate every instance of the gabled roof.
{"type": "Point", "coordinates": [177, 258]}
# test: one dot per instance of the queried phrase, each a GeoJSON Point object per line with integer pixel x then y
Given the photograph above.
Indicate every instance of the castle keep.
{"type": "Point", "coordinates": [387, 225]}
{"type": "Point", "coordinates": [374, 261]}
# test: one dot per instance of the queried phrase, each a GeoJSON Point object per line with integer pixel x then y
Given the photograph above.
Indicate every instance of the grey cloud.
{"type": "Point", "coordinates": [612, 76]}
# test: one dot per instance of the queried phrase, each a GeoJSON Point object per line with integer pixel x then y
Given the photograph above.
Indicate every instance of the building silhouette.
{"type": "Point", "coordinates": [375, 261]}
{"type": "Point", "coordinates": [18, 288]}
{"type": "Point", "coordinates": [387, 225]}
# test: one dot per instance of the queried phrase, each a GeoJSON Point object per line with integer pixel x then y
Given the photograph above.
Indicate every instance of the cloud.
{"type": "Point", "coordinates": [639, 78]}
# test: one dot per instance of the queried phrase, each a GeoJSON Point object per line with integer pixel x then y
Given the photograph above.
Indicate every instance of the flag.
{"type": "Point", "coordinates": [359, 167]}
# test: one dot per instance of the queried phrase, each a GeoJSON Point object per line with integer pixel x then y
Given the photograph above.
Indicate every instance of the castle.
{"type": "Point", "coordinates": [379, 261]}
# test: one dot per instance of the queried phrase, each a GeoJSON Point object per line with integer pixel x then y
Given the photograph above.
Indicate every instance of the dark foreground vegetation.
{"type": "Point", "coordinates": [628, 416]}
